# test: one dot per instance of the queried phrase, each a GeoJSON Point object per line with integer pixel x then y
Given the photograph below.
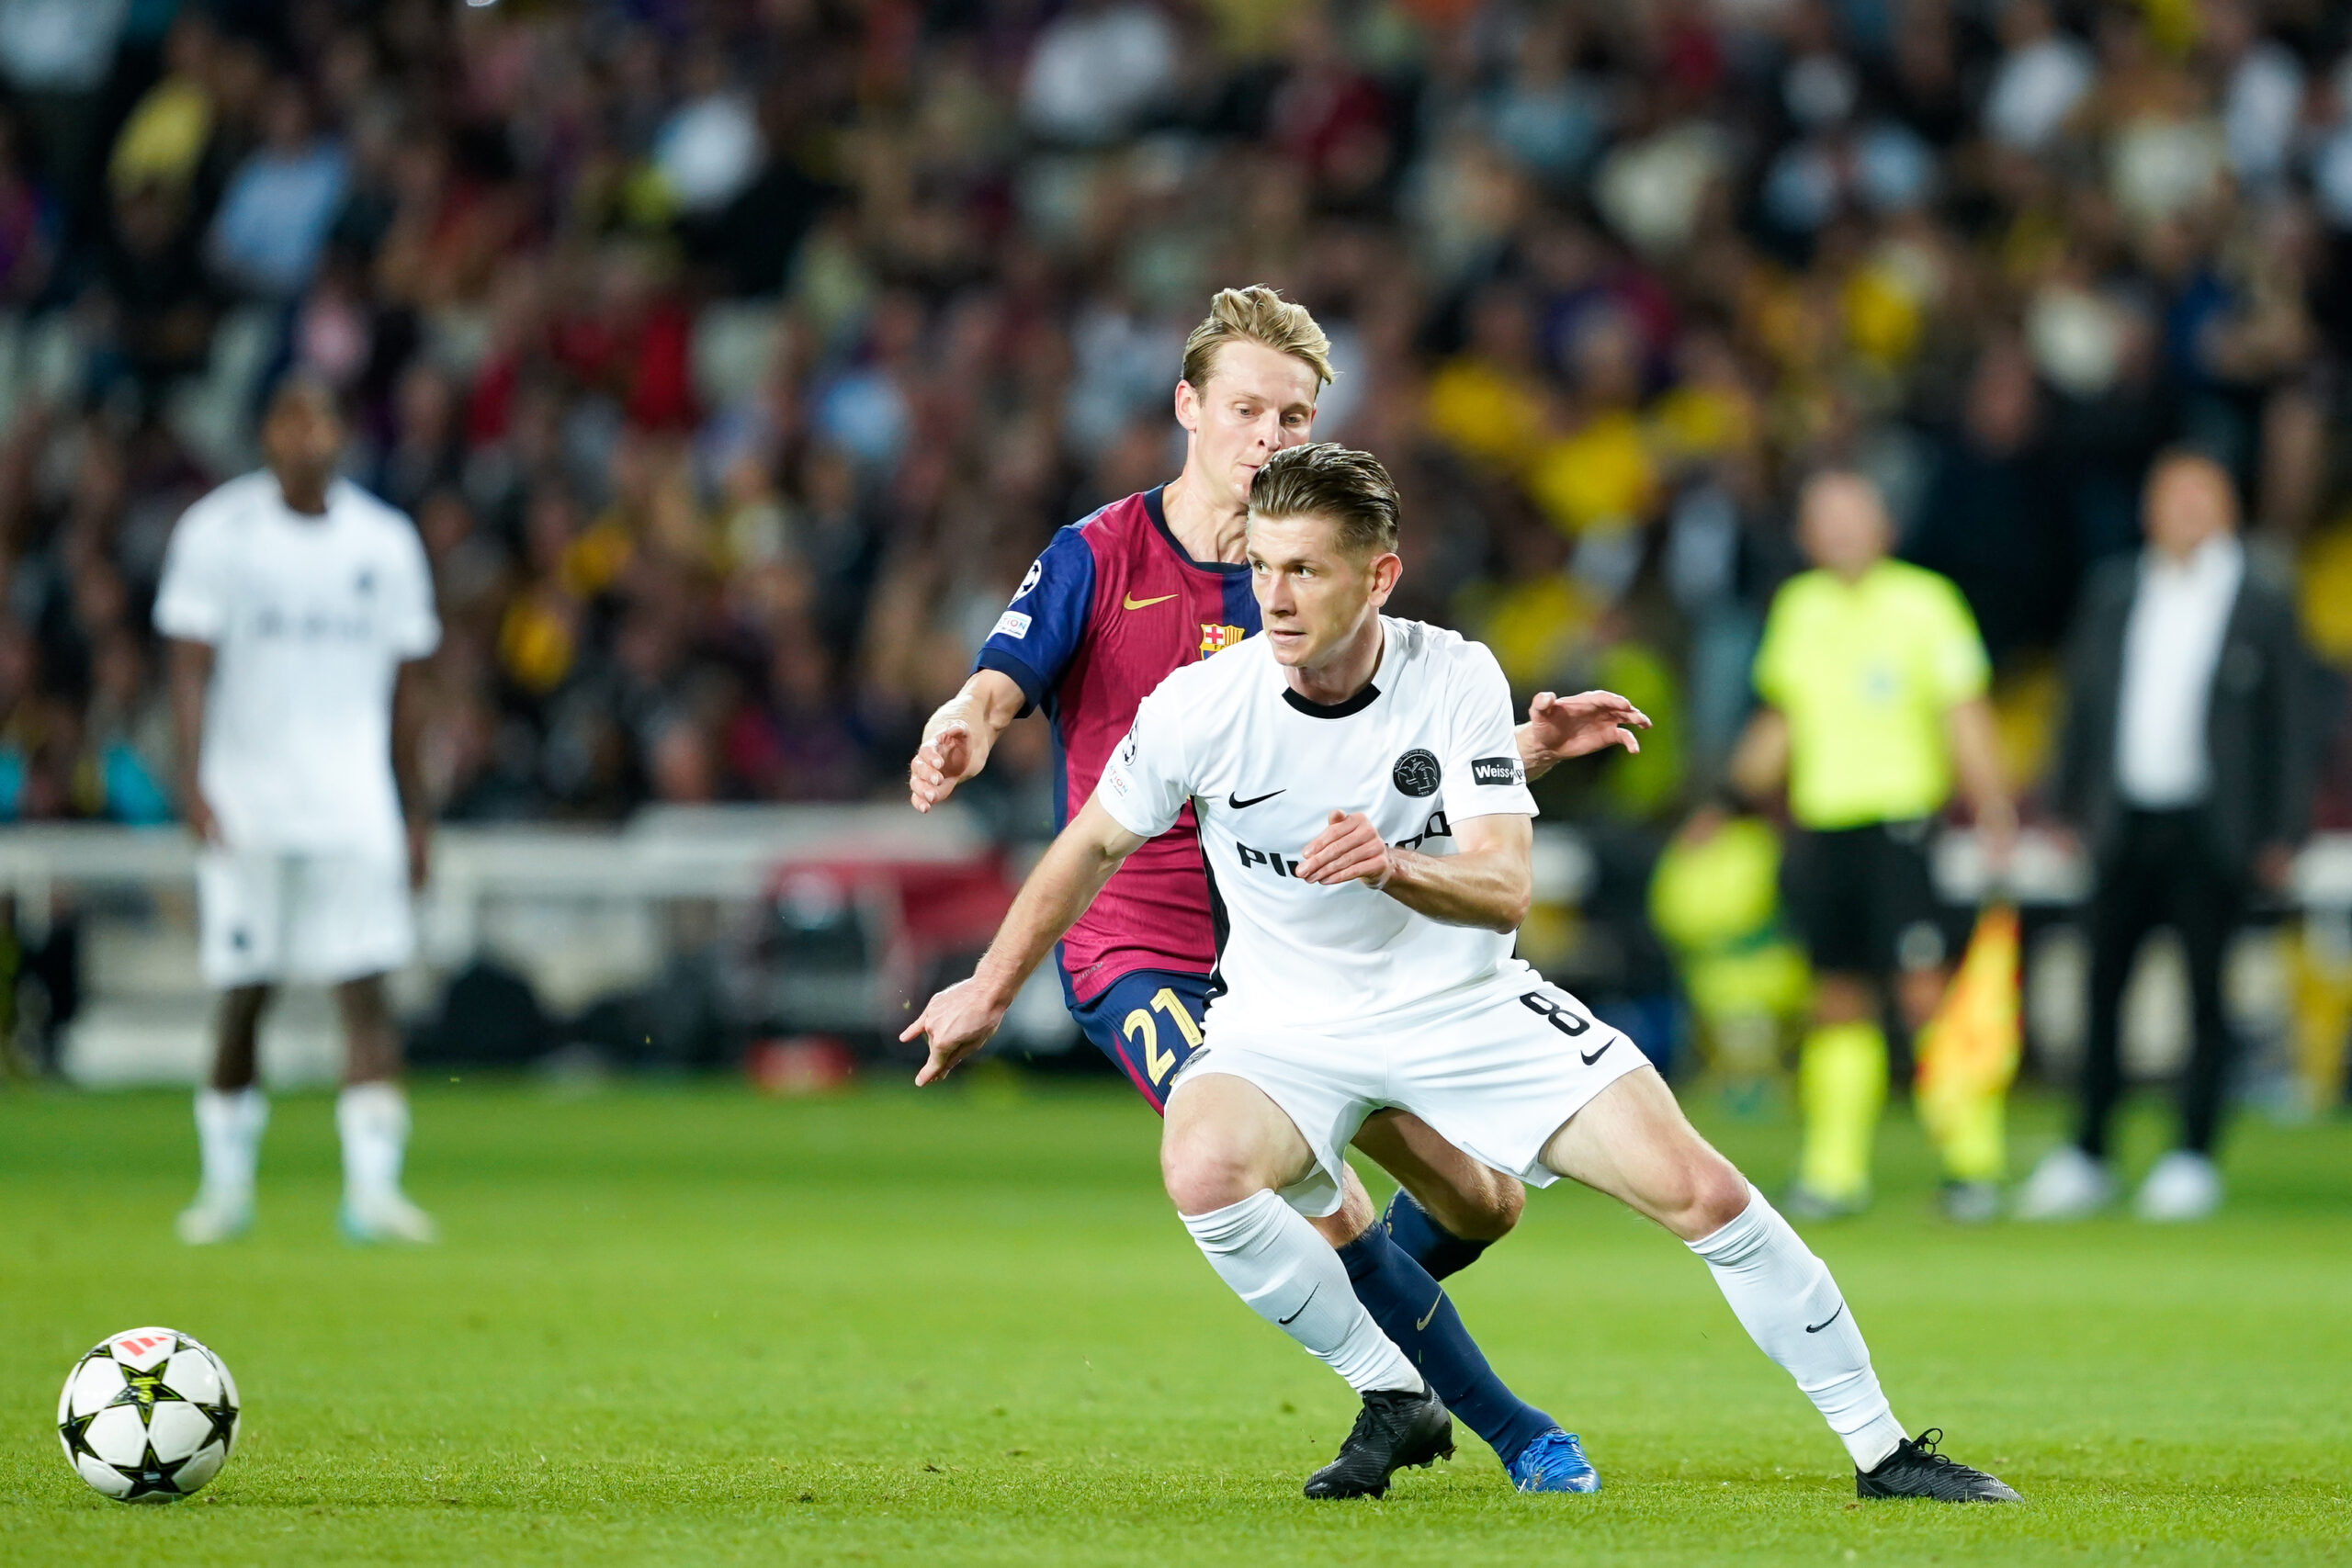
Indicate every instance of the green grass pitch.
{"type": "Point", "coordinates": [682, 1325]}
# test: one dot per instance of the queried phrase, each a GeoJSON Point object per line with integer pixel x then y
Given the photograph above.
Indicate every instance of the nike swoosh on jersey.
{"type": "Point", "coordinates": [1597, 1055]}
{"type": "Point", "coordinates": [1135, 604]}
{"type": "Point", "coordinates": [1817, 1327]}
{"type": "Point", "coordinates": [1235, 803]}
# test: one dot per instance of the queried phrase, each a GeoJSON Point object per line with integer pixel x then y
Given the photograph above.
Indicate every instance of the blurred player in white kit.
{"type": "Point", "coordinates": [296, 606]}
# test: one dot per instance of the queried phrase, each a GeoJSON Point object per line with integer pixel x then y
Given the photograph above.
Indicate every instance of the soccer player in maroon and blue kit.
{"type": "Point", "coordinates": [1115, 603]}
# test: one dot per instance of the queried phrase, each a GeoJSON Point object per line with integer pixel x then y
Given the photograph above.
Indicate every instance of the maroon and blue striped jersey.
{"type": "Point", "coordinates": [1109, 610]}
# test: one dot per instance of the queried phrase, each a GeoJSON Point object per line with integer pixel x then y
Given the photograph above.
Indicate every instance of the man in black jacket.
{"type": "Point", "coordinates": [2184, 765]}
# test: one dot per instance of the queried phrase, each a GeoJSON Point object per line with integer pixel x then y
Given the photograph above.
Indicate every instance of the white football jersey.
{"type": "Point", "coordinates": [309, 619]}
{"type": "Point", "coordinates": [1427, 745]}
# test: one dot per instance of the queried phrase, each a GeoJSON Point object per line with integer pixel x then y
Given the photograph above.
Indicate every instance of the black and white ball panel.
{"type": "Point", "coordinates": [148, 1415]}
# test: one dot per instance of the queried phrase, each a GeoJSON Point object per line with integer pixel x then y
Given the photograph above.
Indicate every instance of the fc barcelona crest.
{"type": "Point", "coordinates": [1217, 639]}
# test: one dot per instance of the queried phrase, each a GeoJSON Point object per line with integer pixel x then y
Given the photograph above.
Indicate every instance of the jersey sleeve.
{"type": "Point", "coordinates": [1481, 772]}
{"type": "Point", "coordinates": [194, 597]}
{"type": "Point", "coordinates": [1147, 782]}
{"type": "Point", "coordinates": [1769, 674]}
{"type": "Point", "coordinates": [413, 624]}
{"type": "Point", "coordinates": [1956, 668]}
{"type": "Point", "coordinates": [1041, 630]}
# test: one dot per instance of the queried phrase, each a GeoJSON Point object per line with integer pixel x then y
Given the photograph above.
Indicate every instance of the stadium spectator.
{"type": "Point", "coordinates": [2185, 766]}
{"type": "Point", "coordinates": [882, 296]}
{"type": "Point", "coordinates": [274, 216]}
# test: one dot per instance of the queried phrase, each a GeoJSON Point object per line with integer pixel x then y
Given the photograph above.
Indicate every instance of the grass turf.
{"type": "Point", "coordinates": [680, 1324]}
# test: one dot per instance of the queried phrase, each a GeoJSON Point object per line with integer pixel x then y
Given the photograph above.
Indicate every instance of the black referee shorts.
{"type": "Point", "coordinates": [1862, 899]}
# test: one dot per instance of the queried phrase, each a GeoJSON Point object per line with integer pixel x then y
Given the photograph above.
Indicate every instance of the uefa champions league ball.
{"type": "Point", "coordinates": [148, 1415]}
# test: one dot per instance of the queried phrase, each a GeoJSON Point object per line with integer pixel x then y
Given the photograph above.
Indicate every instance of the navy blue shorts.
{"type": "Point", "coordinates": [1148, 1022]}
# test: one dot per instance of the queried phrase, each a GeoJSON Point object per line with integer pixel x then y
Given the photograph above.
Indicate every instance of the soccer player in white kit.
{"type": "Point", "coordinates": [1366, 824]}
{"type": "Point", "coordinates": [296, 605]}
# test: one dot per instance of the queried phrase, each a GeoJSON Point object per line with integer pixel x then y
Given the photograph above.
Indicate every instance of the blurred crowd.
{"type": "Point", "coordinates": [735, 357]}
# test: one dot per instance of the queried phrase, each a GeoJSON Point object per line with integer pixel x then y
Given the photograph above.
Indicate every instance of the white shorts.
{"type": "Point", "coordinates": [1496, 1075]}
{"type": "Point", "coordinates": [265, 916]}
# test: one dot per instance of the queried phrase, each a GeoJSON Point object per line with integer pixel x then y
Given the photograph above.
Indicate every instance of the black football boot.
{"type": "Point", "coordinates": [1394, 1428]}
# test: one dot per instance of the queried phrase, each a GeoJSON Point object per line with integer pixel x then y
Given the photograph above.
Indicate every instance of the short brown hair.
{"type": "Point", "coordinates": [1327, 480]}
{"type": "Point", "coordinates": [1261, 315]}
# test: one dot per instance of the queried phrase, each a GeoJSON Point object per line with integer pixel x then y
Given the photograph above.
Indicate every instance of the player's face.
{"type": "Point", "coordinates": [1255, 402]}
{"type": "Point", "coordinates": [1315, 597]}
{"type": "Point", "coordinates": [302, 438]}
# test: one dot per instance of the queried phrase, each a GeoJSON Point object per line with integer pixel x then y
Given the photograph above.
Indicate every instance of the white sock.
{"type": "Point", "coordinates": [1275, 1261]}
{"type": "Point", "coordinates": [229, 1124]}
{"type": "Point", "coordinates": [373, 1119]}
{"type": "Point", "coordinates": [1793, 1309]}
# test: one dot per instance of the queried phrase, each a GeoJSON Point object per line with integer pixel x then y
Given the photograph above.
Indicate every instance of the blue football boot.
{"type": "Point", "coordinates": [1555, 1462]}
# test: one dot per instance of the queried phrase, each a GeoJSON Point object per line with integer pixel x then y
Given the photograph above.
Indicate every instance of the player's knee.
{"type": "Point", "coordinates": [1510, 1201]}
{"type": "Point", "coordinates": [1201, 1172]}
{"type": "Point", "coordinates": [1841, 999]}
{"type": "Point", "coordinates": [242, 1004]}
{"type": "Point", "coordinates": [1490, 1212]}
{"type": "Point", "coordinates": [1693, 1192]}
{"type": "Point", "coordinates": [1718, 1194]}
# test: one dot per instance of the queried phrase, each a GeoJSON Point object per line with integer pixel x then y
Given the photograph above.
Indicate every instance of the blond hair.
{"type": "Point", "coordinates": [1261, 315]}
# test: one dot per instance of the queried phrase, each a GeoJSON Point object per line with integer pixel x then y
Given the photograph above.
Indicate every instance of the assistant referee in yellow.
{"type": "Point", "coordinates": [1871, 676]}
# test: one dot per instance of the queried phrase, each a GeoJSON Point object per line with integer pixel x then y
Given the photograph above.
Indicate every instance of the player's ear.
{"type": "Point", "coordinates": [1188, 407]}
{"type": "Point", "coordinates": [1387, 568]}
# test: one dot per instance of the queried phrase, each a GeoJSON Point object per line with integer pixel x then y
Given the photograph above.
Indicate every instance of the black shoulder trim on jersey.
{"type": "Point", "coordinates": [1153, 509]}
{"type": "Point", "coordinates": [1356, 704]}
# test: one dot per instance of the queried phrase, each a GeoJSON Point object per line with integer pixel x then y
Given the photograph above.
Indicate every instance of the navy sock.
{"type": "Point", "coordinates": [1425, 1241]}
{"type": "Point", "coordinates": [1413, 1310]}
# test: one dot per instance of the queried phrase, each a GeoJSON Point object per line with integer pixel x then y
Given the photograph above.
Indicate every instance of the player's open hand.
{"type": "Point", "coordinates": [945, 759]}
{"type": "Point", "coordinates": [959, 1021]}
{"type": "Point", "coordinates": [1348, 849]}
{"type": "Point", "coordinates": [1563, 728]}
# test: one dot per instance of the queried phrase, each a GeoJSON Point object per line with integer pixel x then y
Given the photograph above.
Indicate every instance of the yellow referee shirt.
{"type": "Point", "coordinates": [1864, 673]}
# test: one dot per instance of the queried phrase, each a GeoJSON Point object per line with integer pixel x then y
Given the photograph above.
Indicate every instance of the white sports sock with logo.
{"type": "Point", "coordinates": [1275, 1261]}
{"type": "Point", "coordinates": [229, 1125]}
{"type": "Point", "coordinates": [1792, 1308]}
{"type": "Point", "coordinates": [373, 1120]}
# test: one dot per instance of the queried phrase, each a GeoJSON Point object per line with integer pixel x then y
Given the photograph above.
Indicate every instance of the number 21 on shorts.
{"type": "Point", "coordinates": [1143, 1031]}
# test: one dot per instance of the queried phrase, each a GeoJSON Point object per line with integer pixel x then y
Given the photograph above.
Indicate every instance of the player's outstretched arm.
{"type": "Point", "coordinates": [1560, 728]}
{"type": "Point", "coordinates": [956, 742]}
{"type": "Point", "coordinates": [1072, 871]}
{"type": "Point", "coordinates": [1488, 882]}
